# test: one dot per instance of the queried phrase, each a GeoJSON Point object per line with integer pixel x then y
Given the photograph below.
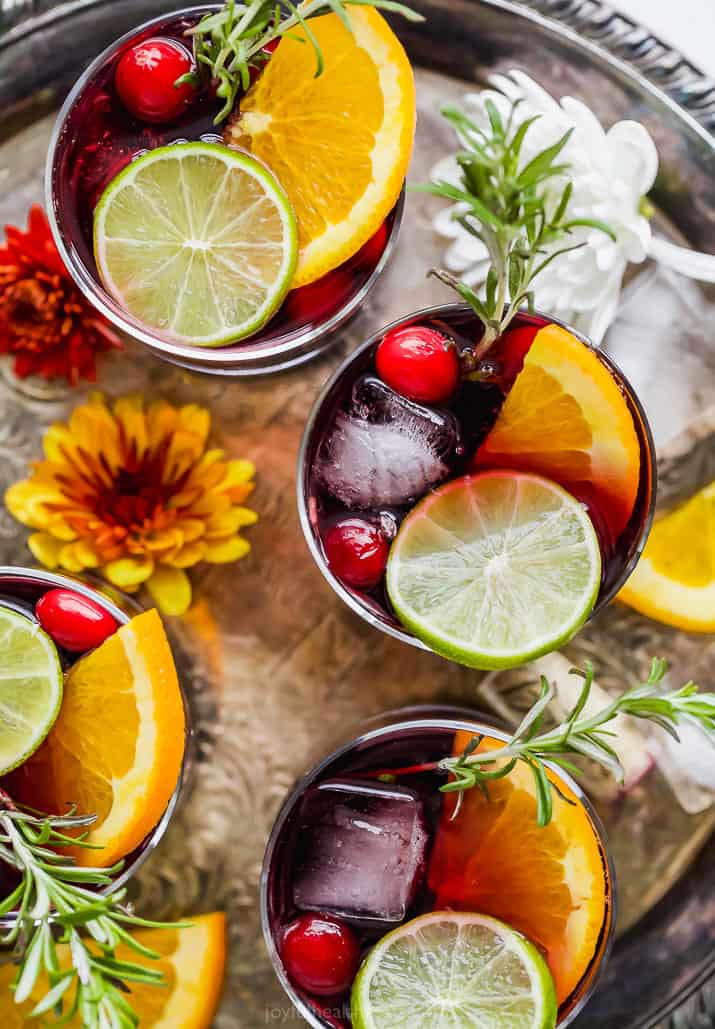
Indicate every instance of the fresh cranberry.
{"type": "Point", "coordinates": [73, 621]}
{"type": "Point", "coordinates": [320, 954]}
{"type": "Point", "coordinates": [356, 552]}
{"type": "Point", "coordinates": [420, 363]}
{"type": "Point", "coordinates": [145, 80]}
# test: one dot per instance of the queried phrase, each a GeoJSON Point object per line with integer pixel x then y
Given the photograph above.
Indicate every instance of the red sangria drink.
{"type": "Point", "coordinates": [484, 507]}
{"type": "Point", "coordinates": [91, 752]}
{"type": "Point", "coordinates": [387, 901]}
{"type": "Point", "coordinates": [191, 193]}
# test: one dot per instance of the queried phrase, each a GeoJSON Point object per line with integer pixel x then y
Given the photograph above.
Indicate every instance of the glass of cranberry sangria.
{"type": "Point", "coordinates": [479, 478]}
{"type": "Point", "coordinates": [481, 507]}
{"type": "Point", "coordinates": [193, 197]}
{"type": "Point", "coordinates": [92, 746]}
{"type": "Point", "coordinates": [74, 623]}
{"type": "Point", "coordinates": [435, 870]}
{"type": "Point", "coordinates": [389, 902]}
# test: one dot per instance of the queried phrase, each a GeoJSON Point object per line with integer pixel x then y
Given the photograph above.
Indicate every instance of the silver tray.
{"type": "Point", "coordinates": [277, 668]}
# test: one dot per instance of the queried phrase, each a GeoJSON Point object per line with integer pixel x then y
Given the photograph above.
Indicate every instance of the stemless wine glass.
{"type": "Point", "coordinates": [94, 138]}
{"type": "Point", "coordinates": [317, 509]}
{"type": "Point", "coordinates": [23, 587]}
{"type": "Point", "coordinates": [410, 739]}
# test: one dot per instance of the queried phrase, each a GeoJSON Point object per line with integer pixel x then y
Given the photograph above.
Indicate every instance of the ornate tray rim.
{"type": "Point", "coordinates": [592, 24]}
{"type": "Point", "coordinates": [616, 39]}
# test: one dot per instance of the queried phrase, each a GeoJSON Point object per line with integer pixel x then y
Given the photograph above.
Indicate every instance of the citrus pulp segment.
{"type": "Point", "coordinates": [457, 969]}
{"type": "Point", "coordinates": [117, 746]}
{"type": "Point", "coordinates": [30, 688]}
{"type": "Point", "coordinates": [674, 581]}
{"type": "Point", "coordinates": [552, 886]}
{"type": "Point", "coordinates": [197, 242]}
{"type": "Point", "coordinates": [492, 570]}
{"type": "Point", "coordinates": [192, 961]}
{"type": "Point", "coordinates": [567, 418]}
{"type": "Point", "coordinates": [340, 143]}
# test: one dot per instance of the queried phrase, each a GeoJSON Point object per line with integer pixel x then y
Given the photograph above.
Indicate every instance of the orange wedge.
{"type": "Point", "coordinates": [192, 961]}
{"type": "Point", "coordinates": [674, 581]}
{"type": "Point", "coordinates": [116, 748]}
{"type": "Point", "coordinates": [339, 143]}
{"type": "Point", "coordinates": [550, 883]}
{"type": "Point", "coordinates": [566, 418]}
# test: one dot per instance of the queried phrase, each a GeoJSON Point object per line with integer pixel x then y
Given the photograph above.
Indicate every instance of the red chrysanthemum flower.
{"type": "Point", "coordinates": [45, 322]}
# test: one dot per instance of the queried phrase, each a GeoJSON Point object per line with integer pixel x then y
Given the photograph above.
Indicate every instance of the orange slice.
{"type": "Point", "coordinates": [192, 961]}
{"type": "Point", "coordinates": [566, 418]}
{"type": "Point", "coordinates": [674, 581]}
{"type": "Point", "coordinates": [116, 748]}
{"type": "Point", "coordinates": [339, 143]}
{"type": "Point", "coordinates": [550, 883]}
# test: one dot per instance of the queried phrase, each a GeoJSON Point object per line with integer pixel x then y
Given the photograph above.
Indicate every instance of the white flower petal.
{"type": "Point", "coordinates": [637, 155]}
{"type": "Point", "coordinates": [610, 172]}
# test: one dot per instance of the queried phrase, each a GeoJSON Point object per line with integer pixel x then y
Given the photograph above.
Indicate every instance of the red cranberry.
{"type": "Point", "coordinates": [356, 552]}
{"type": "Point", "coordinates": [420, 363]}
{"type": "Point", "coordinates": [73, 621]}
{"type": "Point", "coordinates": [320, 954]}
{"type": "Point", "coordinates": [145, 78]}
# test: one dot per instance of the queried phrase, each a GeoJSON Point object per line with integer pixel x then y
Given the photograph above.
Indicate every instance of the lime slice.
{"type": "Point", "coordinates": [196, 241]}
{"type": "Point", "coordinates": [493, 570]}
{"type": "Point", "coordinates": [30, 688]}
{"type": "Point", "coordinates": [457, 970]}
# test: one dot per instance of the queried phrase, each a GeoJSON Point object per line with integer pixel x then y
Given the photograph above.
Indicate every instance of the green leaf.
{"type": "Point", "coordinates": [592, 223]}
{"type": "Point", "coordinates": [491, 288]}
{"type": "Point", "coordinates": [546, 695]}
{"type": "Point", "coordinates": [552, 257]}
{"type": "Point", "coordinates": [54, 996]}
{"type": "Point", "coordinates": [543, 163]}
{"type": "Point", "coordinates": [494, 119]}
{"type": "Point", "coordinates": [516, 143]}
{"type": "Point", "coordinates": [544, 802]}
{"type": "Point", "coordinates": [390, 5]}
{"type": "Point", "coordinates": [31, 964]}
{"type": "Point", "coordinates": [464, 291]}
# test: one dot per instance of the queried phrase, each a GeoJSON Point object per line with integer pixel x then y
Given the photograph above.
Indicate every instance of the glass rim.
{"type": "Point", "coordinates": [415, 718]}
{"type": "Point", "coordinates": [289, 346]}
{"type": "Point", "coordinates": [152, 840]}
{"type": "Point", "coordinates": [303, 471]}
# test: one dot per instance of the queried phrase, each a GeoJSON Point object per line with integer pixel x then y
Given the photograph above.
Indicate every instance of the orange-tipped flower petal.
{"type": "Point", "coordinates": [132, 490]}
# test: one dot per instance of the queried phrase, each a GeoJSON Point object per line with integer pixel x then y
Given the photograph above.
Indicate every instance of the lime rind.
{"type": "Point", "coordinates": [454, 969]}
{"type": "Point", "coordinates": [30, 688]}
{"type": "Point", "coordinates": [495, 569]}
{"type": "Point", "coordinates": [168, 250]}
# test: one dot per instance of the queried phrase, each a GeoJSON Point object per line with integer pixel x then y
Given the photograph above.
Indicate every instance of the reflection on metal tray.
{"type": "Point", "coordinates": [276, 665]}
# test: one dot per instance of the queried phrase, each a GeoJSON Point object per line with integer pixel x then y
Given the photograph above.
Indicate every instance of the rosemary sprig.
{"type": "Point", "coordinates": [578, 735]}
{"type": "Point", "coordinates": [229, 43]}
{"type": "Point", "coordinates": [54, 903]}
{"type": "Point", "coordinates": [513, 210]}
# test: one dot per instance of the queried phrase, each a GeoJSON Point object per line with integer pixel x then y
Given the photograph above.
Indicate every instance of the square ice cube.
{"type": "Point", "coordinates": [361, 850]}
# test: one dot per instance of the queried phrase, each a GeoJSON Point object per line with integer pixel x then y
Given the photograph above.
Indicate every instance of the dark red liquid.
{"type": "Point", "coordinates": [100, 137]}
{"type": "Point", "coordinates": [476, 407]}
{"type": "Point", "coordinates": [408, 755]}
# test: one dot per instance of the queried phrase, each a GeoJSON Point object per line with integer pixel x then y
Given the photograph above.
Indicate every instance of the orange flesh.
{"type": "Point", "coordinates": [550, 883]}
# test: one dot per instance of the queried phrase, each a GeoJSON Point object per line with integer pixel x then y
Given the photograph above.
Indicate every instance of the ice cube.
{"type": "Point", "coordinates": [385, 449]}
{"type": "Point", "coordinates": [361, 851]}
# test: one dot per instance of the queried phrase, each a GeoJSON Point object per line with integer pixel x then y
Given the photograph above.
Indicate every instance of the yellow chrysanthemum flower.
{"type": "Point", "coordinates": [132, 492]}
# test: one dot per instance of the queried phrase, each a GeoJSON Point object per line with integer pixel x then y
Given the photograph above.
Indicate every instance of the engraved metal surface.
{"type": "Point", "coordinates": [279, 668]}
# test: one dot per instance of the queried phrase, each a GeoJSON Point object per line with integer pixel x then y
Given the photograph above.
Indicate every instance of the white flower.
{"type": "Point", "coordinates": [611, 172]}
